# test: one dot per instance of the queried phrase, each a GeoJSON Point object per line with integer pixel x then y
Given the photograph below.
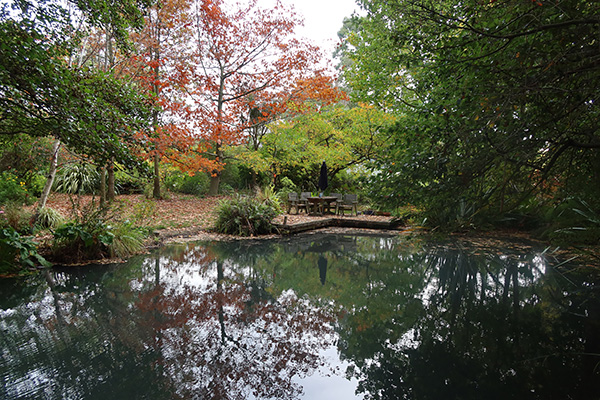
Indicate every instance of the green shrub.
{"type": "Point", "coordinates": [18, 251]}
{"type": "Point", "coordinates": [49, 218]}
{"type": "Point", "coordinates": [197, 185]}
{"type": "Point", "coordinates": [75, 241]}
{"type": "Point", "coordinates": [230, 176]}
{"type": "Point", "coordinates": [173, 178]}
{"type": "Point", "coordinates": [86, 238]}
{"type": "Point", "coordinates": [286, 186]}
{"type": "Point", "coordinates": [129, 183]}
{"type": "Point", "coordinates": [127, 240]}
{"type": "Point", "coordinates": [13, 190]}
{"type": "Point", "coordinates": [93, 235]}
{"type": "Point", "coordinates": [575, 221]}
{"type": "Point", "coordinates": [227, 189]}
{"type": "Point", "coordinates": [15, 216]}
{"type": "Point", "coordinates": [36, 185]}
{"type": "Point", "coordinates": [268, 196]}
{"type": "Point", "coordinates": [245, 216]}
{"type": "Point", "coordinates": [79, 178]}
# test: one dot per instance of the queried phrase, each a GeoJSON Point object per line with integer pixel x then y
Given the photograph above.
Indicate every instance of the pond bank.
{"type": "Point", "coordinates": [287, 224]}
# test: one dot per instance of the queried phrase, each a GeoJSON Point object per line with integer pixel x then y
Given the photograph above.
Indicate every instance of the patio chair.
{"type": "Point", "coordinates": [294, 201]}
{"type": "Point", "coordinates": [303, 202]}
{"type": "Point", "coordinates": [350, 202]}
{"type": "Point", "coordinates": [333, 204]}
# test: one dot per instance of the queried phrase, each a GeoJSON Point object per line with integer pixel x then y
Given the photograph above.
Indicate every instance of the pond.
{"type": "Point", "coordinates": [313, 316]}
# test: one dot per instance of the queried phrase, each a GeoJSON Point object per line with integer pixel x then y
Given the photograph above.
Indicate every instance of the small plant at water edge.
{"type": "Point", "coordinates": [18, 251]}
{"type": "Point", "coordinates": [127, 240]}
{"type": "Point", "coordinates": [75, 241]}
{"type": "Point", "coordinates": [245, 216]}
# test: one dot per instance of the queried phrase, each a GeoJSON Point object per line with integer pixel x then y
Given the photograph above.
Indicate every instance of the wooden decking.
{"type": "Point", "coordinates": [291, 226]}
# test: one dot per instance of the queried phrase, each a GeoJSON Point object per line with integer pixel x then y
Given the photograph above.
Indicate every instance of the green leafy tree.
{"type": "Point", "coordinates": [43, 94]}
{"type": "Point", "coordinates": [498, 101]}
{"type": "Point", "coordinates": [341, 136]}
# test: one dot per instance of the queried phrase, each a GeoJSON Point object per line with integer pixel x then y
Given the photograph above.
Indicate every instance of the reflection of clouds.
{"type": "Point", "coordinates": [329, 382]}
{"type": "Point", "coordinates": [212, 328]}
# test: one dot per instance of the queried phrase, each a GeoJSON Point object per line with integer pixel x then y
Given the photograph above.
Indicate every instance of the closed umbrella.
{"type": "Point", "coordinates": [323, 177]}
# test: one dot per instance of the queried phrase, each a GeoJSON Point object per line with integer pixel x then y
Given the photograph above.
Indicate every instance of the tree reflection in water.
{"type": "Point", "coordinates": [233, 339]}
{"type": "Point", "coordinates": [188, 326]}
{"type": "Point", "coordinates": [492, 327]}
{"type": "Point", "coordinates": [237, 320]}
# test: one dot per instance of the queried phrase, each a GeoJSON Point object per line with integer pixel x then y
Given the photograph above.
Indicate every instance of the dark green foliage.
{"type": "Point", "coordinates": [197, 185]}
{"type": "Point", "coordinates": [82, 241]}
{"type": "Point", "coordinates": [26, 157]}
{"type": "Point", "coordinates": [92, 112]}
{"type": "Point", "coordinates": [18, 251]}
{"type": "Point", "coordinates": [499, 104]}
{"type": "Point", "coordinates": [96, 233]}
{"type": "Point", "coordinates": [286, 186]}
{"type": "Point", "coordinates": [230, 177]}
{"type": "Point", "coordinates": [248, 177]}
{"type": "Point", "coordinates": [245, 216]}
{"type": "Point", "coordinates": [575, 221]}
{"type": "Point", "coordinates": [88, 237]}
{"type": "Point", "coordinates": [129, 182]}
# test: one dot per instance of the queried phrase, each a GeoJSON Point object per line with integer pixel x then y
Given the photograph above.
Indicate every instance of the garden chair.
{"type": "Point", "coordinates": [304, 202]}
{"type": "Point", "coordinates": [294, 201]}
{"type": "Point", "coordinates": [350, 202]}
{"type": "Point", "coordinates": [333, 204]}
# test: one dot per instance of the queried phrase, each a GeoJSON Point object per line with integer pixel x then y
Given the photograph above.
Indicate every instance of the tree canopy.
{"type": "Point", "coordinates": [46, 90]}
{"type": "Point", "coordinates": [499, 99]}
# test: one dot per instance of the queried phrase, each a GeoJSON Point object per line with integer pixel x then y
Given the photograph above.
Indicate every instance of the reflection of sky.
{"type": "Point", "coordinates": [329, 383]}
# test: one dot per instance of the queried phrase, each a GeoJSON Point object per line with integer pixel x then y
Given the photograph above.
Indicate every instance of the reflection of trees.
{"type": "Point", "coordinates": [233, 340]}
{"type": "Point", "coordinates": [72, 338]}
{"type": "Point", "coordinates": [238, 319]}
{"type": "Point", "coordinates": [373, 282]}
{"type": "Point", "coordinates": [495, 327]}
{"type": "Point", "coordinates": [160, 328]}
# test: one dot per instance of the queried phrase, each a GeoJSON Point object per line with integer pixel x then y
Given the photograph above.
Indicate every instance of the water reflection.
{"type": "Point", "coordinates": [322, 263]}
{"type": "Point", "coordinates": [239, 320]}
{"type": "Point", "coordinates": [490, 326]}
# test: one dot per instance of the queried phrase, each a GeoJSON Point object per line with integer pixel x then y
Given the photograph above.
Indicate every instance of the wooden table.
{"type": "Point", "coordinates": [318, 203]}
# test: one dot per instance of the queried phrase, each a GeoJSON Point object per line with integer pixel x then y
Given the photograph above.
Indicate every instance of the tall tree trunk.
{"type": "Point", "coordinates": [110, 193]}
{"type": "Point", "coordinates": [215, 181]}
{"type": "Point", "coordinates": [156, 190]}
{"type": "Point", "coordinates": [215, 177]}
{"type": "Point", "coordinates": [49, 179]}
{"type": "Point", "coordinates": [103, 186]}
{"type": "Point", "coordinates": [156, 55]}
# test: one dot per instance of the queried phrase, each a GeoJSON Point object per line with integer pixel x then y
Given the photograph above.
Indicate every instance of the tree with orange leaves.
{"type": "Point", "coordinates": [161, 53]}
{"type": "Point", "coordinates": [246, 62]}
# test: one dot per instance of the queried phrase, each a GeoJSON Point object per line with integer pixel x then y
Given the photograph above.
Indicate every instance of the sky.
{"type": "Point", "coordinates": [323, 19]}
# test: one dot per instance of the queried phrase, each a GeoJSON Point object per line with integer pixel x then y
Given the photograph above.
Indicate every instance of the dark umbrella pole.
{"type": "Point", "coordinates": [323, 179]}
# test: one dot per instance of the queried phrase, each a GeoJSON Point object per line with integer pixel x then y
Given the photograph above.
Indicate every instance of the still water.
{"type": "Point", "coordinates": [316, 316]}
